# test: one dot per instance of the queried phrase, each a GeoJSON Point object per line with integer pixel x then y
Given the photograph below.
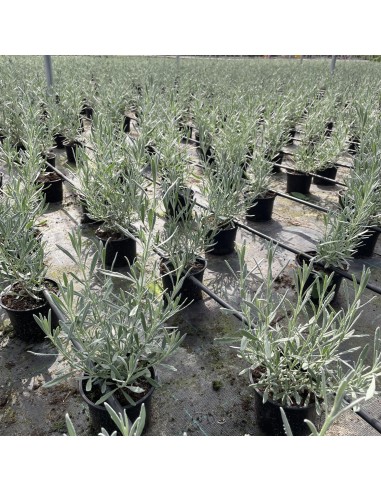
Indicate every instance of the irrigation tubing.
{"type": "Point", "coordinates": [287, 168]}
{"type": "Point", "coordinates": [374, 423]}
{"type": "Point", "coordinates": [303, 202]}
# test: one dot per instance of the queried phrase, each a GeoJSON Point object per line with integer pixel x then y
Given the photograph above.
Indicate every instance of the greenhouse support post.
{"type": "Point", "coordinates": [48, 72]}
{"type": "Point", "coordinates": [333, 64]}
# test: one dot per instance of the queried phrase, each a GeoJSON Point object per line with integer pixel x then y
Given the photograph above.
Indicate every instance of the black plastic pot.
{"type": "Point", "coordinates": [224, 241]}
{"type": "Point", "coordinates": [85, 218]}
{"type": "Point", "coordinates": [292, 134]}
{"type": "Point", "coordinates": [277, 160]}
{"type": "Point", "coordinates": [366, 249]}
{"type": "Point", "coordinates": [186, 131]}
{"type": "Point", "coordinates": [188, 292]}
{"type": "Point", "coordinates": [328, 129]}
{"type": "Point", "coordinates": [99, 416]}
{"type": "Point", "coordinates": [71, 148]}
{"type": "Point", "coordinates": [49, 157]}
{"type": "Point", "coordinates": [121, 249]}
{"type": "Point", "coordinates": [126, 124]}
{"type": "Point", "coordinates": [354, 145]}
{"type": "Point", "coordinates": [59, 140]}
{"type": "Point", "coordinates": [298, 182]}
{"type": "Point", "coordinates": [329, 172]}
{"type": "Point", "coordinates": [53, 190]}
{"type": "Point", "coordinates": [262, 209]}
{"type": "Point", "coordinates": [207, 156]}
{"type": "Point", "coordinates": [180, 205]}
{"type": "Point", "coordinates": [23, 322]}
{"type": "Point", "coordinates": [319, 273]}
{"type": "Point", "coordinates": [87, 111]}
{"type": "Point", "coordinates": [269, 418]}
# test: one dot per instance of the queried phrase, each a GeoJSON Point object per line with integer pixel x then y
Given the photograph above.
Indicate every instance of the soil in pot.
{"type": "Point", "coordinates": [367, 245]}
{"type": "Point", "coordinates": [21, 309]}
{"type": "Point", "coordinates": [224, 240]}
{"type": "Point", "coordinates": [180, 204]}
{"type": "Point", "coordinates": [329, 172]}
{"type": "Point", "coordinates": [188, 292]}
{"type": "Point", "coordinates": [52, 187]}
{"type": "Point", "coordinates": [319, 272]}
{"type": "Point", "coordinates": [99, 416]}
{"type": "Point", "coordinates": [71, 148]}
{"type": "Point", "coordinates": [118, 247]}
{"type": "Point", "coordinates": [262, 208]}
{"type": "Point", "coordinates": [298, 182]}
{"type": "Point", "coordinates": [269, 418]}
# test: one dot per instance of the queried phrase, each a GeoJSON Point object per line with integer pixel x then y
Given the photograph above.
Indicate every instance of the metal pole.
{"type": "Point", "coordinates": [333, 64]}
{"type": "Point", "coordinates": [49, 72]}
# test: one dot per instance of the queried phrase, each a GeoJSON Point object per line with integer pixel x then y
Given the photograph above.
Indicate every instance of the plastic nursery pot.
{"type": "Point", "coordinates": [262, 208]}
{"type": "Point", "coordinates": [180, 204]}
{"type": "Point", "coordinates": [20, 146]}
{"type": "Point", "coordinates": [50, 158]}
{"type": "Point", "coordinates": [292, 134]}
{"type": "Point", "coordinates": [328, 129]}
{"type": "Point", "coordinates": [86, 111]}
{"type": "Point", "coordinates": [99, 416]}
{"type": "Point", "coordinates": [329, 172]}
{"type": "Point", "coordinates": [52, 187]}
{"type": "Point", "coordinates": [188, 292]}
{"type": "Point", "coordinates": [21, 316]}
{"type": "Point", "coordinates": [367, 245]}
{"type": "Point", "coordinates": [298, 182]}
{"type": "Point", "coordinates": [341, 196]}
{"type": "Point", "coordinates": [206, 156]}
{"type": "Point", "coordinates": [269, 418]}
{"type": "Point", "coordinates": [354, 145]}
{"type": "Point", "coordinates": [224, 240]}
{"type": "Point", "coordinates": [126, 124]}
{"type": "Point", "coordinates": [120, 248]}
{"type": "Point", "coordinates": [85, 218]}
{"type": "Point", "coordinates": [186, 131]}
{"type": "Point", "coordinates": [319, 272]}
{"type": "Point", "coordinates": [277, 160]}
{"type": "Point", "coordinates": [59, 140]}
{"type": "Point", "coordinates": [71, 148]}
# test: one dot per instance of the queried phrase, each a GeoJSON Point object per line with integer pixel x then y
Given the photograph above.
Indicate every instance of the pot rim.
{"type": "Point", "coordinates": [124, 238]}
{"type": "Point", "coordinates": [328, 270]}
{"type": "Point", "coordinates": [298, 173]}
{"type": "Point", "coordinates": [295, 408]}
{"type": "Point", "coordinates": [188, 274]}
{"type": "Point", "coordinates": [50, 181]}
{"type": "Point", "coordinates": [126, 407]}
{"type": "Point", "coordinates": [5, 291]}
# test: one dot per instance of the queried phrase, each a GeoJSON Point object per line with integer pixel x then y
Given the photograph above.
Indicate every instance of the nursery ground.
{"type": "Point", "coordinates": [206, 396]}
